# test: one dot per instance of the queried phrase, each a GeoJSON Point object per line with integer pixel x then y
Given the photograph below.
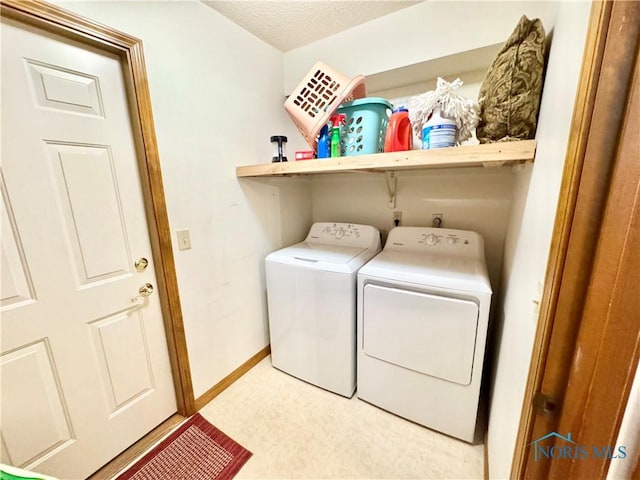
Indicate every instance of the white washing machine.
{"type": "Point", "coordinates": [311, 291]}
{"type": "Point", "coordinates": [423, 311]}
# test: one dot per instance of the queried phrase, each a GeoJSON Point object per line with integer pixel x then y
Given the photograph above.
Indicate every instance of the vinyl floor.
{"type": "Point", "coordinates": [298, 431]}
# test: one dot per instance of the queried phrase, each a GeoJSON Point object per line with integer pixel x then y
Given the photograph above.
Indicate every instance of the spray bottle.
{"type": "Point", "coordinates": [337, 121]}
{"type": "Point", "coordinates": [324, 142]}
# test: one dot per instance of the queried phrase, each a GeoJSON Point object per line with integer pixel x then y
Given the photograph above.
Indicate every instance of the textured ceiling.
{"type": "Point", "coordinates": [288, 24]}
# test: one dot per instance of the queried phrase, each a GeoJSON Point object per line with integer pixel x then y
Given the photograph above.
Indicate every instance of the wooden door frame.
{"type": "Point", "coordinates": [58, 21]}
{"type": "Point", "coordinates": [563, 338]}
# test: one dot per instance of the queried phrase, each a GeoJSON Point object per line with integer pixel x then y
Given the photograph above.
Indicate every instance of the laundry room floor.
{"type": "Point", "coordinates": [296, 430]}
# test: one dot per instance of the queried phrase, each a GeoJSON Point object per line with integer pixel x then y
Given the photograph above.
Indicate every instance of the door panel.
{"type": "Point", "coordinates": [39, 420]}
{"type": "Point", "coordinates": [53, 87]}
{"type": "Point", "coordinates": [77, 353]}
{"type": "Point", "coordinates": [124, 358]}
{"type": "Point", "coordinates": [87, 185]}
{"type": "Point", "coordinates": [430, 334]}
{"type": "Point", "coordinates": [16, 286]}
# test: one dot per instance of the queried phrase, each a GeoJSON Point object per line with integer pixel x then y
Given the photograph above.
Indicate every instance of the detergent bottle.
{"type": "Point", "coordinates": [336, 134]}
{"type": "Point", "coordinates": [399, 136]}
{"type": "Point", "coordinates": [439, 131]}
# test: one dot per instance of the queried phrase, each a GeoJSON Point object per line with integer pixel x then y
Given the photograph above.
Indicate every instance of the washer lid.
{"type": "Point", "coordinates": [456, 273]}
{"type": "Point", "coordinates": [320, 252]}
{"type": "Point", "coordinates": [345, 234]}
{"type": "Point", "coordinates": [331, 247]}
{"type": "Point", "coordinates": [318, 256]}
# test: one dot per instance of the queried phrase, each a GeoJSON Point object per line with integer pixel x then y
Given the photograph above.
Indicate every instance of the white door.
{"type": "Point", "coordinates": [427, 333]}
{"type": "Point", "coordinates": [85, 370]}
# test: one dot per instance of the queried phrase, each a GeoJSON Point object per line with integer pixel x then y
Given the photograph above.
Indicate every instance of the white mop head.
{"type": "Point", "coordinates": [463, 110]}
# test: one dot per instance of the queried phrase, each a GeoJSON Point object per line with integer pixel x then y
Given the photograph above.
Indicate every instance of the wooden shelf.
{"type": "Point", "coordinates": [487, 155]}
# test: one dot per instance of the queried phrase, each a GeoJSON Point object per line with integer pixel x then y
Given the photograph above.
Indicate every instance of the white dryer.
{"type": "Point", "coordinates": [423, 311]}
{"type": "Point", "coordinates": [311, 291]}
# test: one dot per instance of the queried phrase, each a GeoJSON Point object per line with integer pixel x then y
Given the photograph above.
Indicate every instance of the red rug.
{"type": "Point", "coordinates": [195, 451]}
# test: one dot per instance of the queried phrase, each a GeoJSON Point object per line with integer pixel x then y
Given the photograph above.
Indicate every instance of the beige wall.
{"type": "Point", "coordinates": [425, 31]}
{"type": "Point", "coordinates": [216, 93]}
{"type": "Point", "coordinates": [513, 209]}
{"type": "Point", "coordinates": [443, 32]}
{"type": "Point", "coordinates": [628, 435]}
{"type": "Point", "coordinates": [207, 77]}
{"type": "Point", "coordinates": [536, 191]}
{"type": "Point", "coordinates": [469, 199]}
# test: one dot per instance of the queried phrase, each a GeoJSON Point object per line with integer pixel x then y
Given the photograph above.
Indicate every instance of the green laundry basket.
{"type": "Point", "coordinates": [365, 125]}
{"type": "Point", "coordinates": [8, 472]}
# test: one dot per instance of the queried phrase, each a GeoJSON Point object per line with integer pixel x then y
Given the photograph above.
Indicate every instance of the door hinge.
{"type": "Point", "coordinates": [544, 403]}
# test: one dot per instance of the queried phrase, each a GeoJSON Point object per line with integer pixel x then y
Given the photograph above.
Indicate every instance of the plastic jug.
{"type": "Point", "coordinates": [399, 136]}
{"type": "Point", "coordinates": [438, 132]}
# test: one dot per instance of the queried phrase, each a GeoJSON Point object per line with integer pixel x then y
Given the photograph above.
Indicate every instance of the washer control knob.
{"type": "Point", "coordinates": [451, 240]}
{"type": "Point", "coordinates": [431, 239]}
{"type": "Point", "coordinates": [340, 233]}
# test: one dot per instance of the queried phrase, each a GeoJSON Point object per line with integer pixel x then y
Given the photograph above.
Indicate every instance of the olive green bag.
{"type": "Point", "coordinates": [510, 94]}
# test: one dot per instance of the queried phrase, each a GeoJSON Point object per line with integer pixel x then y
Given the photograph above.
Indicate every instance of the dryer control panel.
{"type": "Point", "coordinates": [436, 241]}
{"type": "Point", "coordinates": [349, 234]}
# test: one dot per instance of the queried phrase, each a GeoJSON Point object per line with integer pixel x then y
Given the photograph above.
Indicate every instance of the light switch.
{"type": "Point", "coordinates": [184, 239]}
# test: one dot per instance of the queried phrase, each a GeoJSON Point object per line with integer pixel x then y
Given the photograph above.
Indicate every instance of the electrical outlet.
{"type": "Point", "coordinates": [397, 219]}
{"type": "Point", "coordinates": [437, 220]}
{"type": "Point", "coordinates": [184, 239]}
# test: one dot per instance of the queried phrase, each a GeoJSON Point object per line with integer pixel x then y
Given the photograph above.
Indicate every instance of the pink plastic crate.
{"type": "Point", "coordinates": [318, 96]}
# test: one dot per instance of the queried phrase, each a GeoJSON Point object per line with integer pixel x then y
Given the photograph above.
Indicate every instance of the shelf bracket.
{"type": "Point", "coordinates": [392, 182]}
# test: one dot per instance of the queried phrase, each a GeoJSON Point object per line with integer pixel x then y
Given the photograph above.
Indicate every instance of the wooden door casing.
{"type": "Point", "coordinates": [586, 346]}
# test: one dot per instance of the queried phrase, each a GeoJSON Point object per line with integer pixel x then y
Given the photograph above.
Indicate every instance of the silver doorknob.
{"type": "Point", "coordinates": [144, 291]}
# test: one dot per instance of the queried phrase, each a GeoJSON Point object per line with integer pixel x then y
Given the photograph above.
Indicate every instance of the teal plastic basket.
{"type": "Point", "coordinates": [365, 126]}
